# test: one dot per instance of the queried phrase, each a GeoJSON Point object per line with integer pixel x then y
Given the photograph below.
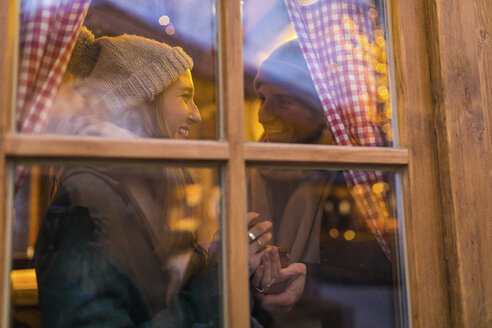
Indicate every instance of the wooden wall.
{"type": "Point", "coordinates": [443, 60]}
{"type": "Point", "coordinates": [461, 73]}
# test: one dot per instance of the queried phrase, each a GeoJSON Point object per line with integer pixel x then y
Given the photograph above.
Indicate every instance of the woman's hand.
{"type": "Point", "coordinates": [266, 273]}
{"type": "Point", "coordinates": [260, 236]}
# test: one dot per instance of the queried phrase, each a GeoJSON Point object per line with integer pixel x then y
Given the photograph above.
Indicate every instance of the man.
{"type": "Point", "coordinates": [293, 199]}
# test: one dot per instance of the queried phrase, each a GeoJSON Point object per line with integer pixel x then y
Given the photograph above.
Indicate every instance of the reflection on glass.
{"type": "Point", "coordinates": [330, 259]}
{"type": "Point", "coordinates": [106, 68]}
{"type": "Point", "coordinates": [106, 247]}
{"type": "Point", "coordinates": [316, 72]}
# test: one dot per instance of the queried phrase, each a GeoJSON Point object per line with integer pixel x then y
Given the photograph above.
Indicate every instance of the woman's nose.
{"type": "Point", "coordinates": [194, 115]}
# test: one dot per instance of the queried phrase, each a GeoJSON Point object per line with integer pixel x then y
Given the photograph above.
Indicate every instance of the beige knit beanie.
{"type": "Point", "coordinates": [126, 70]}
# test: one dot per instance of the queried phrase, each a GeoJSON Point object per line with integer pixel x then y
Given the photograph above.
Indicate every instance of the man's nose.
{"type": "Point", "coordinates": [266, 113]}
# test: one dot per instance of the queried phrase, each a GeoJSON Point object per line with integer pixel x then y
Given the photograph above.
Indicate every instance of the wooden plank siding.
{"type": "Point", "coordinates": [461, 71]}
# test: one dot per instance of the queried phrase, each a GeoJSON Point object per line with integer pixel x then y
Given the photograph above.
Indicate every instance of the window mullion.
{"type": "Point", "coordinates": [236, 300]}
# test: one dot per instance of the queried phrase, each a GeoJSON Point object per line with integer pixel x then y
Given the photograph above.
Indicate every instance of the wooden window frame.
{"type": "Point", "coordinates": [435, 299]}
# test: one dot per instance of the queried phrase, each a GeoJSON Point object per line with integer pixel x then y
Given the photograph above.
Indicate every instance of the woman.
{"type": "Point", "coordinates": [106, 255]}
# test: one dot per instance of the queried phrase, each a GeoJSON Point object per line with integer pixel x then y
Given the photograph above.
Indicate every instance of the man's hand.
{"type": "Point", "coordinates": [289, 287]}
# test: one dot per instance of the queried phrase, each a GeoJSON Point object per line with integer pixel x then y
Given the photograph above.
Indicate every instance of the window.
{"type": "Point", "coordinates": [227, 153]}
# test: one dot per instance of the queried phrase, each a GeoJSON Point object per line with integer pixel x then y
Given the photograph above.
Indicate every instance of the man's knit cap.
{"type": "Point", "coordinates": [125, 70]}
{"type": "Point", "coordinates": [285, 67]}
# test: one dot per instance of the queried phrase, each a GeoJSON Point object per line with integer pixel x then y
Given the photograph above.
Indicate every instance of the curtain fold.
{"type": "Point", "coordinates": [48, 32]}
{"type": "Point", "coordinates": [343, 44]}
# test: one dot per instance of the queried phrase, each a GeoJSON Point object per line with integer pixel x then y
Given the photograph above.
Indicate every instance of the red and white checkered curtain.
{"type": "Point", "coordinates": [341, 47]}
{"type": "Point", "coordinates": [48, 32]}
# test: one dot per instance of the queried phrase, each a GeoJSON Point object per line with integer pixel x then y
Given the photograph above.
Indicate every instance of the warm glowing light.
{"type": "Point", "coordinates": [380, 187]}
{"type": "Point", "coordinates": [193, 195]}
{"type": "Point", "coordinates": [383, 93]}
{"type": "Point", "coordinates": [371, 115]}
{"type": "Point", "coordinates": [374, 64]}
{"type": "Point", "coordinates": [164, 20]}
{"type": "Point", "coordinates": [383, 80]}
{"type": "Point", "coordinates": [334, 233]}
{"type": "Point", "coordinates": [358, 190]}
{"type": "Point", "coordinates": [387, 128]}
{"type": "Point", "coordinates": [349, 235]}
{"type": "Point", "coordinates": [378, 32]}
{"type": "Point", "coordinates": [170, 30]}
{"type": "Point", "coordinates": [392, 224]}
{"type": "Point", "coordinates": [380, 41]}
{"type": "Point", "coordinates": [389, 136]}
{"type": "Point", "coordinates": [376, 51]}
{"type": "Point", "coordinates": [388, 112]}
{"type": "Point", "coordinates": [30, 252]}
{"type": "Point", "coordinates": [383, 57]}
{"type": "Point", "coordinates": [382, 68]}
{"type": "Point", "coordinates": [344, 207]}
{"type": "Point", "coordinates": [185, 224]}
{"type": "Point", "coordinates": [23, 279]}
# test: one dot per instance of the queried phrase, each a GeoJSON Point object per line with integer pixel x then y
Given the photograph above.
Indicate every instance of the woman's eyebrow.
{"type": "Point", "coordinates": [186, 90]}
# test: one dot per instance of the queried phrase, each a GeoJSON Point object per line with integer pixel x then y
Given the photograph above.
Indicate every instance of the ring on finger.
{"type": "Point", "coordinates": [251, 236]}
{"type": "Point", "coordinates": [270, 283]}
{"type": "Point", "coordinates": [258, 241]}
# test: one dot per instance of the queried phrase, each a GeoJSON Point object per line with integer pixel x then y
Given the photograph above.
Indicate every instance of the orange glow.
{"type": "Point", "coordinates": [378, 33]}
{"type": "Point", "coordinates": [380, 41]}
{"type": "Point", "coordinates": [334, 233]}
{"type": "Point", "coordinates": [349, 235]}
{"type": "Point", "coordinates": [380, 187]}
{"type": "Point", "coordinates": [382, 68]}
{"type": "Point", "coordinates": [24, 287]}
{"type": "Point", "coordinates": [383, 80]}
{"type": "Point", "coordinates": [193, 194]}
{"type": "Point", "coordinates": [383, 93]}
{"type": "Point", "coordinates": [388, 112]}
{"type": "Point", "coordinates": [389, 136]}
{"type": "Point", "coordinates": [344, 207]}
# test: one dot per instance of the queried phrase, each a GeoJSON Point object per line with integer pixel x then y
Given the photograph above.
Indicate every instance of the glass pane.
{"type": "Point", "coordinates": [316, 71]}
{"type": "Point", "coordinates": [128, 74]}
{"type": "Point", "coordinates": [100, 246]}
{"type": "Point", "coordinates": [323, 252]}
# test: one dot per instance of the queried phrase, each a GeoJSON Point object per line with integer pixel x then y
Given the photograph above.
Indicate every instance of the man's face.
{"type": "Point", "coordinates": [285, 118]}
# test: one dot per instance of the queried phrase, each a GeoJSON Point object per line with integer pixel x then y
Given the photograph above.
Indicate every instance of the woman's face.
{"type": "Point", "coordinates": [176, 107]}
